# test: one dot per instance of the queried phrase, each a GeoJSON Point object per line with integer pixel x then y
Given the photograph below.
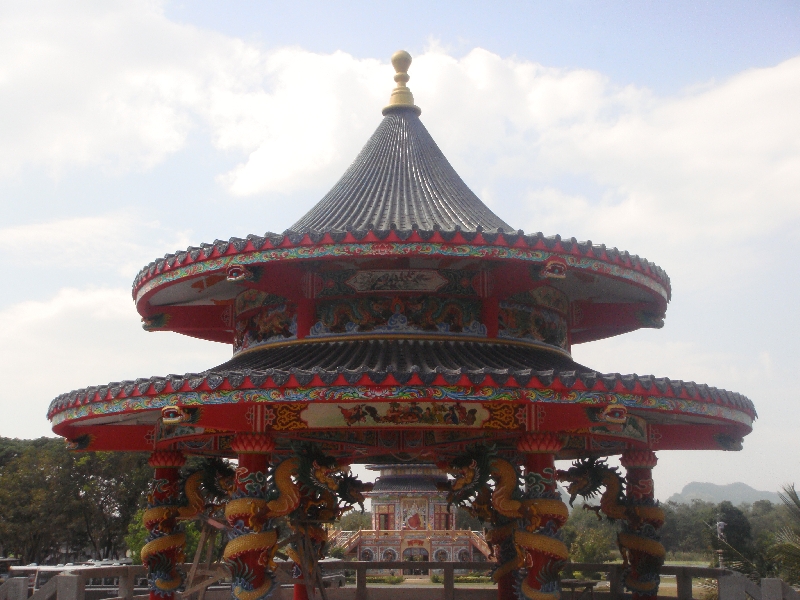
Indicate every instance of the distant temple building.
{"type": "Point", "coordinates": [410, 520]}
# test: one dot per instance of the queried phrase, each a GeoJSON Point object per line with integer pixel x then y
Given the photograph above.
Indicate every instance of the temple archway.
{"type": "Point", "coordinates": [415, 555]}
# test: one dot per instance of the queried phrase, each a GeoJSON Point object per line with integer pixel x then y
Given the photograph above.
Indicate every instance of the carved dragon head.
{"type": "Point", "coordinates": [585, 477]}
{"type": "Point", "coordinates": [317, 471]}
{"type": "Point", "coordinates": [471, 472]}
{"type": "Point", "coordinates": [351, 490]}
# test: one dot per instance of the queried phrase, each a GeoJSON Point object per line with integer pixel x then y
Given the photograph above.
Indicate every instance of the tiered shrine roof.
{"type": "Point", "coordinates": [400, 315]}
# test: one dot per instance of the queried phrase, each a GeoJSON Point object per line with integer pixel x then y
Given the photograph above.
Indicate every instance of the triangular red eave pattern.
{"type": "Point", "coordinates": [478, 239]}
{"type": "Point", "coordinates": [105, 393]}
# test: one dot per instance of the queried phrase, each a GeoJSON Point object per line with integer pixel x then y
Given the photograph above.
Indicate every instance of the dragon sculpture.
{"type": "Point", "coordinates": [642, 552]}
{"type": "Point", "coordinates": [309, 488]}
{"type": "Point", "coordinates": [168, 503]}
{"type": "Point", "coordinates": [524, 523]}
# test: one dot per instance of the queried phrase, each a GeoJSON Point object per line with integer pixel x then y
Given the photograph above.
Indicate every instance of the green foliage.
{"type": "Point", "coordinates": [390, 579]}
{"type": "Point", "coordinates": [464, 520]}
{"type": "Point", "coordinates": [354, 520]}
{"type": "Point", "coordinates": [436, 578]}
{"type": "Point", "coordinates": [52, 500]}
{"type": "Point", "coordinates": [787, 547]}
{"type": "Point", "coordinates": [687, 527]}
{"type": "Point", "coordinates": [338, 552]}
{"type": "Point", "coordinates": [588, 538]}
{"type": "Point", "coordinates": [136, 537]}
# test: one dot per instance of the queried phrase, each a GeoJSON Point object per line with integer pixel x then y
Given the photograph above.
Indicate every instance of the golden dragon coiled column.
{"type": "Point", "coordinates": [631, 502]}
{"type": "Point", "coordinates": [168, 502]}
{"type": "Point", "coordinates": [253, 538]}
{"type": "Point", "coordinates": [639, 543]}
{"type": "Point", "coordinates": [543, 515]}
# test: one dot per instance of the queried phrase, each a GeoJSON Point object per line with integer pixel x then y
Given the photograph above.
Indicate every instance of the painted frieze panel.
{"type": "Point", "coordinates": [519, 321]}
{"type": "Point", "coordinates": [614, 421]}
{"type": "Point", "coordinates": [254, 299]}
{"type": "Point", "coordinates": [400, 314]}
{"type": "Point", "coordinates": [444, 281]}
{"type": "Point", "coordinates": [479, 415]}
{"type": "Point", "coordinates": [272, 323]}
{"type": "Point", "coordinates": [352, 395]}
{"type": "Point", "coordinates": [544, 297]}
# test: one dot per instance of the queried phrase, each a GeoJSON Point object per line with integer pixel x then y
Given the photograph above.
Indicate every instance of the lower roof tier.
{"type": "Point", "coordinates": [353, 393]}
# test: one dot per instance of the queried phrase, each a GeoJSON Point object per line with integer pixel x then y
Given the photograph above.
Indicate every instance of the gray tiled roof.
{"type": "Point", "coordinates": [403, 359]}
{"type": "Point", "coordinates": [406, 484]}
{"type": "Point", "coordinates": [400, 180]}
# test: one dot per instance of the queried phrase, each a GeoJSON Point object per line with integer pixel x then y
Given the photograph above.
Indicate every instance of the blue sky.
{"type": "Point", "coordinates": [665, 46]}
{"type": "Point", "coordinates": [669, 129]}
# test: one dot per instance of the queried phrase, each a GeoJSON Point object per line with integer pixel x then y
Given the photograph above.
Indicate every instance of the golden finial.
{"type": "Point", "coordinates": [401, 95]}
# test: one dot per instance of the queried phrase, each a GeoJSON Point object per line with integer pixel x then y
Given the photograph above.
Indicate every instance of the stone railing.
{"type": "Point", "coordinates": [72, 583]}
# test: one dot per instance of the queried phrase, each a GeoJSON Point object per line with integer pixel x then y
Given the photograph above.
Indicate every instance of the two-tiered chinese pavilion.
{"type": "Point", "coordinates": [411, 520]}
{"type": "Point", "coordinates": [401, 320]}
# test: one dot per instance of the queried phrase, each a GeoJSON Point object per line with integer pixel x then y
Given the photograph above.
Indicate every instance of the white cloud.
{"type": "Point", "coordinates": [118, 84]}
{"type": "Point", "coordinates": [122, 242]}
{"type": "Point", "coordinates": [82, 337]}
{"type": "Point", "coordinates": [701, 182]}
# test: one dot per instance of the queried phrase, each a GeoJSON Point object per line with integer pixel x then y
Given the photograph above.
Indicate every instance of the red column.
{"type": "Point", "coordinates": [165, 544]}
{"type": "Point", "coordinates": [545, 514]}
{"type": "Point", "coordinates": [251, 548]}
{"type": "Point", "coordinates": [639, 540]}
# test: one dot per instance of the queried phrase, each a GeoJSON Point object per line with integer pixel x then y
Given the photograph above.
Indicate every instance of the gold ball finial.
{"type": "Point", "coordinates": [401, 95]}
{"type": "Point", "coordinates": [401, 60]}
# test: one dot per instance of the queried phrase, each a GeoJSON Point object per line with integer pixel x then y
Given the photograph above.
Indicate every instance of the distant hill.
{"type": "Point", "coordinates": [736, 493]}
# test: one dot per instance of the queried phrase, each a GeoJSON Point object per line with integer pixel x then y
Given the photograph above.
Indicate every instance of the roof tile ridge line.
{"type": "Point", "coordinates": [459, 204]}
{"type": "Point", "coordinates": [407, 191]}
{"type": "Point", "coordinates": [425, 163]}
{"type": "Point", "coordinates": [415, 211]}
{"type": "Point", "coordinates": [419, 162]}
{"type": "Point", "coordinates": [345, 181]}
{"type": "Point", "coordinates": [438, 167]}
{"type": "Point", "coordinates": [352, 194]}
{"type": "Point", "coordinates": [351, 190]}
{"type": "Point", "coordinates": [358, 194]}
{"type": "Point", "coordinates": [381, 363]}
{"type": "Point", "coordinates": [393, 169]}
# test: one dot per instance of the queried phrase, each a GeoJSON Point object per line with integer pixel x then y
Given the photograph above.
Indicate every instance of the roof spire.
{"type": "Point", "coordinates": [401, 95]}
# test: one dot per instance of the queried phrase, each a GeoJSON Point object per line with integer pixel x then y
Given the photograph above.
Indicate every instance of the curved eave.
{"type": "Point", "coordinates": [564, 382]}
{"type": "Point", "coordinates": [292, 246]}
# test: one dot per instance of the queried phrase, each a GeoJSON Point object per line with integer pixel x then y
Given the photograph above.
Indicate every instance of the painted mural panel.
{"type": "Point", "coordinates": [521, 321]}
{"type": "Point", "coordinates": [414, 513]}
{"type": "Point", "coordinates": [406, 314]}
{"type": "Point", "coordinates": [270, 324]}
{"type": "Point", "coordinates": [482, 415]}
{"type": "Point", "coordinates": [443, 281]}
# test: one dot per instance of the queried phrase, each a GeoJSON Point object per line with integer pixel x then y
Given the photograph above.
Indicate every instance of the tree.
{"type": "Point", "coordinates": [354, 520]}
{"type": "Point", "coordinates": [37, 500]}
{"type": "Point", "coordinates": [588, 538]}
{"type": "Point", "coordinates": [110, 492]}
{"type": "Point", "coordinates": [464, 520]}
{"type": "Point", "coordinates": [689, 527]}
{"type": "Point", "coordinates": [60, 506]}
{"type": "Point", "coordinates": [787, 549]}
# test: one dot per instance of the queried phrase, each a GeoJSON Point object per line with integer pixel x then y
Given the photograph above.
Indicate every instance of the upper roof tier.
{"type": "Point", "coordinates": [400, 180]}
{"type": "Point", "coordinates": [401, 211]}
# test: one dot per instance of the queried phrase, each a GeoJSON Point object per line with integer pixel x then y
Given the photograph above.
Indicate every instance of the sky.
{"type": "Point", "coordinates": [669, 129]}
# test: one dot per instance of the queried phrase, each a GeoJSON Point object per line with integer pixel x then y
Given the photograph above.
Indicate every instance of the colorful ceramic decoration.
{"type": "Point", "coordinates": [401, 320]}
